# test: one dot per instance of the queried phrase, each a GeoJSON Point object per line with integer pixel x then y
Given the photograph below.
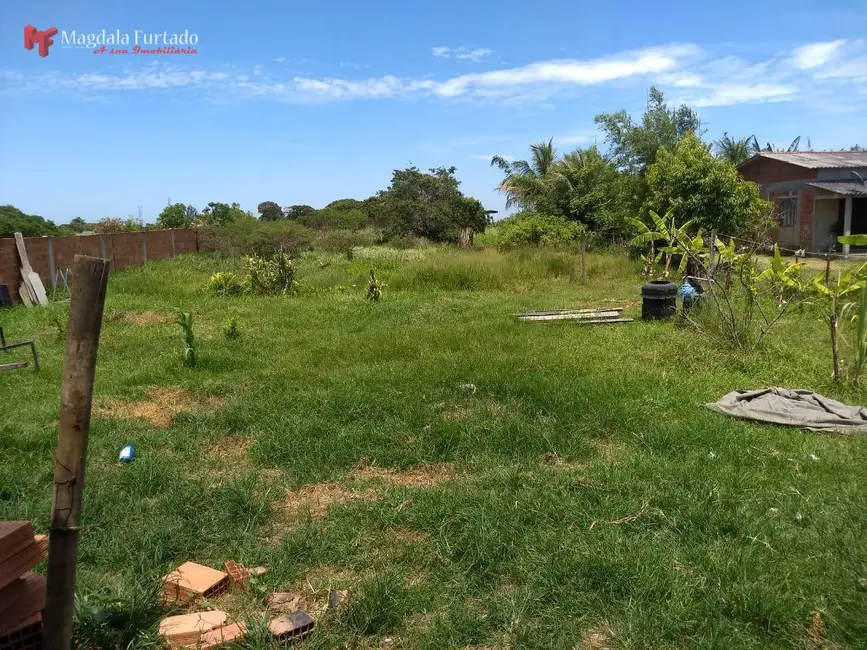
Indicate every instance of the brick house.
{"type": "Point", "coordinates": [816, 195]}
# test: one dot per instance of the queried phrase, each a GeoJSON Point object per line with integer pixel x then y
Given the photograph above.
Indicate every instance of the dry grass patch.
{"type": "Point", "coordinates": [597, 638]}
{"type": "Point", "coordinates": [146, 318]}
{"type": "Point", "coordinates": [606, 450]}
{"type": "Point", "coordinates": [160, 407]}
{"type": "Point", "coordinates": [424, 476]}
{"type": "Point", "coordinates": [315, 499]}
{"type": "Point", "coordinates": [472, 409]}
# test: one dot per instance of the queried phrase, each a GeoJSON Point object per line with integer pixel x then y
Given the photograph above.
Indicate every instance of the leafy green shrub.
{"type": "Point", "coordinates": [230, 329]}
{"type": "Point", "coordinates": [340, 241]}
{"type": "Point", "coordinates": [271, 276]}
{"type": "Point", "coordinates": [254, 237]}
{"type": "Point", "coordinates": [532, 229]}
{"type": "Point", "coordinates": [406, 242]}
{"type": "Point", "coordinates": [225, 284]}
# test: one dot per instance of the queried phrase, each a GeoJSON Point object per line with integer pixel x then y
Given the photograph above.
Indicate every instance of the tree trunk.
{"type": "Point", "coordinates": [835, 350]}
{"type": "Point", "coordinates": [89, 279]}
{"type": "Point", "coordinates": [465, 238]}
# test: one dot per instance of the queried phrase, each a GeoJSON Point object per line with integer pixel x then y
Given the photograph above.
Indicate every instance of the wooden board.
{"type": "Point", "coordinates": [13, 366]}
{"type": "Point", "coordinates": [24, 294]}
{"type": "Point", "coordinates": [22, 252]}
{"type": "Point", "coordinates": [572, 315]}
{"type": "Point", "coordinates": [569, 311]}
{"type": "Point", "coordinates": [603, 321]}
{"type": "Point", "coordinates": [35, 288]}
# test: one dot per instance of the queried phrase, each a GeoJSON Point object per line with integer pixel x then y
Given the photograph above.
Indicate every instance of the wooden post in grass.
{"type": "Point", "coordinates": [584, 256]}
{"type": "Point", "coordinates": [89, 279]}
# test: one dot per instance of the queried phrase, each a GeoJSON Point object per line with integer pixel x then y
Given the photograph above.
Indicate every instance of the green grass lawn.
{"type": "Point", "coordinates": [474, 481]}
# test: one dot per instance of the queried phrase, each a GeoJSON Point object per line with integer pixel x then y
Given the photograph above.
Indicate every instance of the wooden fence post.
{"type": "Point", "coordinates": [89, 280]}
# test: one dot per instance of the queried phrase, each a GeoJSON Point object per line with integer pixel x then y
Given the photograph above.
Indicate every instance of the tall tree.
{"type": "Point", "coordinates": [12, 220]}
{"type": "Point", "coordinates": [219, 214]}
{"type": "Point", "coordinates": [426, 205]}
{"type": "Point", "coordinates": [690, 184]}
{"type": "Point", "coordinates": [525, 182]}
{"type": "Point", "coordinates": [269, 211]}
{"type": "Point", "coordinates": [174, 215]}
{"type": "Point", "coordinates": [295, 211]}
{"type": "Point", "coordinates": [635, 146]}
{"type": "Point", "coordinates": [736, 151]}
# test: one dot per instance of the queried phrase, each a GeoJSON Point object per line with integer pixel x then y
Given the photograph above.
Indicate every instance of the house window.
{"type": "Point", "coordinates": [788, 210]}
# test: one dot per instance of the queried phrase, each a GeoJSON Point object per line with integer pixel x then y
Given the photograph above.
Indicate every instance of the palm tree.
{"type": "Point", "coordinates": [525, 182]}
{"type": "Point", "coordinates": [736, 151]}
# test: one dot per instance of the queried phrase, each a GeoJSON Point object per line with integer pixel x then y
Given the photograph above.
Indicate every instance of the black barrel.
{"type": "Point", "coordinates": [658, 300]}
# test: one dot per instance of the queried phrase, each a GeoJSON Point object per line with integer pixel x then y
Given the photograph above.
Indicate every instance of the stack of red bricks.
{"type": "Point", "coordinates": [22, 593]}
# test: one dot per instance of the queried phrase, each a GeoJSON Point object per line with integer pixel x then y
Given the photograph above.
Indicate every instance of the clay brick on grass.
{"type": "Point", "coordinates": [188, 629]}
{"type": "Point", "coordinates": [190, 581]}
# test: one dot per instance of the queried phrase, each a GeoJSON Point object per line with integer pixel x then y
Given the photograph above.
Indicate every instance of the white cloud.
{"type": "Point", "coordinates": [566, 72]}
{"type": "Point", "coordinates": [730, 94]}
{"type": "Point", "coordinates": [462, 53]}
{"type": "Point", "coordinates": [280, 59]}
{"type": "Point", "coordinates": [693, 75]}
{"type": "Point", "coordinates": [815, 55]}
{"type": "Point", "coordinates": [354, 66]}
{"type": "Point", "coordinates": [476, 54]}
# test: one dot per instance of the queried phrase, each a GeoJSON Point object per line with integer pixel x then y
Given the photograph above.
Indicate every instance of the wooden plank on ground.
{"type": "Point", "coordinates": [603, 321]}
{"type": "Point", "coordinates": [569, 311]}
{"type": "Point", "coordinates": [572, 316]}
{"type": "Point", "coordinates": [13, 366]}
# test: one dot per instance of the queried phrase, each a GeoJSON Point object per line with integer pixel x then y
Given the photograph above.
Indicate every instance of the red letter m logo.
{"type": "Point", "coordinates": [33, 36]}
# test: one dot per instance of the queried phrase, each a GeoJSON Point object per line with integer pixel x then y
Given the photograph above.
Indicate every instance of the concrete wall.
{"type": "Point", "coordinates": [125, 249]}
{"type": "Point", "coordinates": [827, 214]}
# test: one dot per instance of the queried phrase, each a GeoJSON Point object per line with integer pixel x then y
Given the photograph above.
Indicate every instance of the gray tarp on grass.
{"type": "Point", "coordinates": [798, 408]}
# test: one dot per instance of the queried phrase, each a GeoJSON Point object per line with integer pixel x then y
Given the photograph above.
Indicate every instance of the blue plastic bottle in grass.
{"type": "Point", "coordinates": [127, 454]}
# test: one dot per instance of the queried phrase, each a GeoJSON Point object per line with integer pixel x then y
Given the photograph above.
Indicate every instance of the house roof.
{"type": "Point", "coordinates": [815, 159]}
{"type": "Point", "coordinates": [846, 188]}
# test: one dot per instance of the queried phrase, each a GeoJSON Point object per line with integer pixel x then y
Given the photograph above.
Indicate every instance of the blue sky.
{"type": "Point", "coordinates": [307, 102]}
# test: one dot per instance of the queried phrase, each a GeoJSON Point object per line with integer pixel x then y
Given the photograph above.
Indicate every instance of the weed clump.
{"type": "Point", "coordinates": [230, 330]}
{"type": "Point", "coordinates": [226, 283]}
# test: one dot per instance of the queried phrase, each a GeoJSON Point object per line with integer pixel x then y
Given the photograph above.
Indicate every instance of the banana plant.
{"type": "Point", "coordinates": [859, 319]}
{"type": "Point", "coordinates": [663, 230]}
{"type": "Point", "coordinates": [832, 299]}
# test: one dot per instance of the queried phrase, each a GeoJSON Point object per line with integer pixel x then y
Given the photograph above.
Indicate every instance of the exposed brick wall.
{"type": "Point", "coordinates": [122, 250]}
{"type": "Point", "coordinates": [806, 205]}
{"type": "Point", "coordinates": [765, 170]}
